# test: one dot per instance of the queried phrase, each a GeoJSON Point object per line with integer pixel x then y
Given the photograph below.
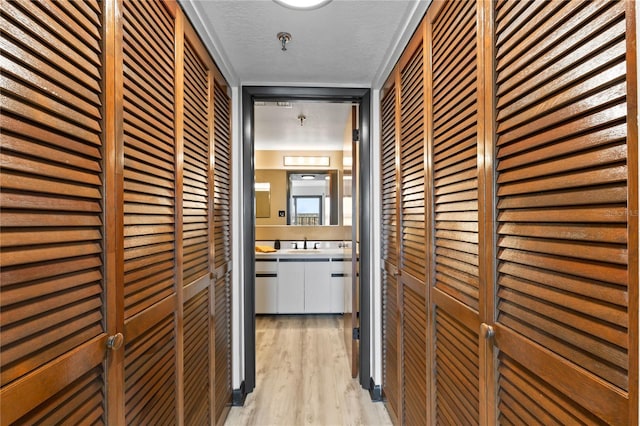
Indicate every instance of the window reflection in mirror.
{"type": "Point", "coordinates": [313, 198]}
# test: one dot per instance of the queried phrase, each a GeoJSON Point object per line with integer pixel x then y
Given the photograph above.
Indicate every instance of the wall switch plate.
{"type": "Point", "coordinates": [281, 213]}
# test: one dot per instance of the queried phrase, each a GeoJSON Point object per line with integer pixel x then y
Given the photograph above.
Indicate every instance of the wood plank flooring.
{"type": "Point", "coordinates": [303, 377]}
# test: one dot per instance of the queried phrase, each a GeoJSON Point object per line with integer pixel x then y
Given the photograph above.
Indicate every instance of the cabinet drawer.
{"type": "Point", "coordinates": [267, 266]}
{"type": "Point", "coordinates": [340, 265]}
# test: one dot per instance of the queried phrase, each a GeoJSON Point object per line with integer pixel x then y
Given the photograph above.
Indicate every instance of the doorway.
{"type": "Point", "coordinates": [361, 97]}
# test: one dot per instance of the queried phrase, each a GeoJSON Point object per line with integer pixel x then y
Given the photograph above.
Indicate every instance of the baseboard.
{"type": "Point", "coordinates": [239, 395]}
{"type": "Point", "coordinates": [375, 391]}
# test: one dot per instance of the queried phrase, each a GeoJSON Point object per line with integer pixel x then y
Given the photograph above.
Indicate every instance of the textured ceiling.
{"type": "Point", "coordinates": [278, 128]}
{"type": "Point", "coordinates": [345, 43]}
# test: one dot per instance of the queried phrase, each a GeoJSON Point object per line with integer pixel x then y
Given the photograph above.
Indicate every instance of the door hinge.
{"type": "Point", "coordinates": [356, 135]}
{"type": "Point", "coordinates": [356, 333]}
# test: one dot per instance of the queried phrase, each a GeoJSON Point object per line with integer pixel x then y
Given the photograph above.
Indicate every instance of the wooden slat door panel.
{"type": "Point", "coordinates": [414, 357]}
{"type": "Point", "coordinates": [150, 351]}
{"type": "Point", "coordinates": [412, 177]}
{"type": "Point", "coordinates": [197, 262]}
{"type": "Point", "coordinates": [392, 356]}
{"type": "Point", "coordinates": [457, 370]}
{"type": "Point", "coordinates": [196, 184]}
{"type": "Point", "coordinates": [413, 244]}
{"type": "Point", "coordinates": [455, 271]}
{"type": "Point", "coordinates": [222, 250]}
{"type": "Point", "coordinates": [52, 279]}
{"type": "Point", "coordinates": [562, 232]}
{"type": "Point", "coordinates": [150, 387]}
{"type": "Point", "coordinates": [197, 359]}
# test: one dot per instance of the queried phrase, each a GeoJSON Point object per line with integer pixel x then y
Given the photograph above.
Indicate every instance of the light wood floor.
{"type": "Point", "coordinates": [303, 377]}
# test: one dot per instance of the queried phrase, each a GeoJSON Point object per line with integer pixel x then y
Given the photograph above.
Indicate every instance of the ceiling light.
{"type": "Point", "coordinates": [303, 4]}
{"type": "Point", "coordinates": [307, 177]}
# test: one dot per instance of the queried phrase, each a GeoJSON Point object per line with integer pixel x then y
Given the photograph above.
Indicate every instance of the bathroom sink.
{"type": "Point", "coordinates": [304, 251]}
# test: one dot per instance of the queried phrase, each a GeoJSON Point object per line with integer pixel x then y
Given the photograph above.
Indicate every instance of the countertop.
{"type": "Point", "coordinates": [308, 253]}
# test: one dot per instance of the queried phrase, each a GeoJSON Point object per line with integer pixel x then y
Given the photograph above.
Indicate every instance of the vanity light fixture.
{"type": "Point", "coordinates": [284, 39]}
{"type": "Point", "coordinates": [307, 177]}
{"type": "Point", "coordinates": [315, 161]}
{"type": "Point", "coordinates": [303, 4]}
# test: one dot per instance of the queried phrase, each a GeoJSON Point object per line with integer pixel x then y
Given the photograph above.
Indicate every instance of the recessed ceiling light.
{"type": "Point", "coordinates": [302, 4]}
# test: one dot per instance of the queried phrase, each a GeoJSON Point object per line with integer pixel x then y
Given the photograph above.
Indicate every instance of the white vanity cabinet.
{"type": "Point", "coordinates": [291, 283]}
{"type": "Point", "coordinates": [266, 290]}
{"type": "Point", "coordinates": [317, 286]}
{"type": "Point", "coordinates": [302, 284]}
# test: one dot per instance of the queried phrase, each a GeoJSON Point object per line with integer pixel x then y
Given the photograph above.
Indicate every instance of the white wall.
{"type": "Point", "coordinates": [376, 291]}
{"type": "Point", "coordinates": [237, 289]}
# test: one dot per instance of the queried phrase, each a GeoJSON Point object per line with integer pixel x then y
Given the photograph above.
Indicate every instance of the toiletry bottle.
{"type": "Point", "coordinates": [276, 245]}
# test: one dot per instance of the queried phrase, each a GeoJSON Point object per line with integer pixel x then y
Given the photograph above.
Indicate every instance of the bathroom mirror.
{"type": "Point", "coordinates": [263, 199]}
{"type": "Point", "coordinates": [313, 198]}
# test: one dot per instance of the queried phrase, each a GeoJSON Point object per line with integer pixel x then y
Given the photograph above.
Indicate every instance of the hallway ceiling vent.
{"type": "Point", "coordinates": [303, 4]}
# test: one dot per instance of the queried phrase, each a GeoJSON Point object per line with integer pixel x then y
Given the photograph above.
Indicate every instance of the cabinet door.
{"type": "Point", "coordinates": [336, 293]}
{"type": "Point", "coordinates": [290, 287]}
{"type": "Point", "coordinates": [317, 286]}
{"type": "Point", "coordinates": [266, 293]}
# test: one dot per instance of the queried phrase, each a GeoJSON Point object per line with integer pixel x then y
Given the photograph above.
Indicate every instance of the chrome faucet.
{"type": "Point", "coordinates": [305, 243]}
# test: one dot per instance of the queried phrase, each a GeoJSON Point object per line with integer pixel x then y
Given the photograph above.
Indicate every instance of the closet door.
{"type": "Point", "coordinates": [196, 237]}
{"type": "Point", "coordinates": [567, 235]}
{"type": "Point", "coordinates": [149, 212]}
{"type": "Point", "coordinates": [53, 285]}
{"type": "Point", "coordinates": [222, 250]}
{"type": "Point", "coordinates": [392, 355]}
{"type": "Point", "coordinates": [413, 249]}
{"type": "Point", "coordinates": [455, 144]}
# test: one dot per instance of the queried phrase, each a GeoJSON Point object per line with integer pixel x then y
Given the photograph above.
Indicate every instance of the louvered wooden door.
{"type": "Point", "coordinates": [222, 249]}
{"type": "Point", "coordinates": [54, 322]}
{"type": "Point", "coordinates": [567, 224]}
{"type": "Point", "coordinates": [197, 253]}
{"type": "Point", "coordinates": [392, 356]}
{"type": "Point", "coordinates": [149, 213]}
{"type": "Point", "coordinates": [413, 246]}
{"type": "Point", "coordinates": [455, 268]}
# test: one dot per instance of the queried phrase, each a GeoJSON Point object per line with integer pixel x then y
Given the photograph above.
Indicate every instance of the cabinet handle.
{"type": "Point", "coordinates": [487, 331]}
{"type": "Point", "coordinates": [115, 342]}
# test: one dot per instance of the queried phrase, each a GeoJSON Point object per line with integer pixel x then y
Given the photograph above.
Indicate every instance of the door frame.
{"type": "Point", "coordinates": [361, 96]}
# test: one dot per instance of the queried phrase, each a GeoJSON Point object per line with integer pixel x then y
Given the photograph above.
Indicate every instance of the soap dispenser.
{"type": "Point", "coordinates": [276, 245]}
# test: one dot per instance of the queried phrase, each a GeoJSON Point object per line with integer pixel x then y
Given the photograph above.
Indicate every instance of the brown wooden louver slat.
{"type": "Point", "coordinates": [196, 185]}
{"type": "Point", "coordinates": [150, 375]}
{"type": "Point", "coordinates": [222, 248]}
{"type": "Point", "coordinates": [149, 168]}
{"type": "Point", "coordinates": [149, 213]}
{"type": "Point", "coordinates": [196, 360]}
{"type": "Point", "coordinates": [455, 272]}
{"type": "Point", "coordinates": [562, 196]}
{"type": "Point", "coordinates": [51, 201]}
{"type": "Point", "coordinates": [455, 170]}
{"type": "Point", "coordinates": [392, 356]}
{"type": "Point", "coordinates": [457, 377]}
{"type": "Point", "coordinates": [412, 174]}
{"type": "Point", "coordinates": [414, 357]}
